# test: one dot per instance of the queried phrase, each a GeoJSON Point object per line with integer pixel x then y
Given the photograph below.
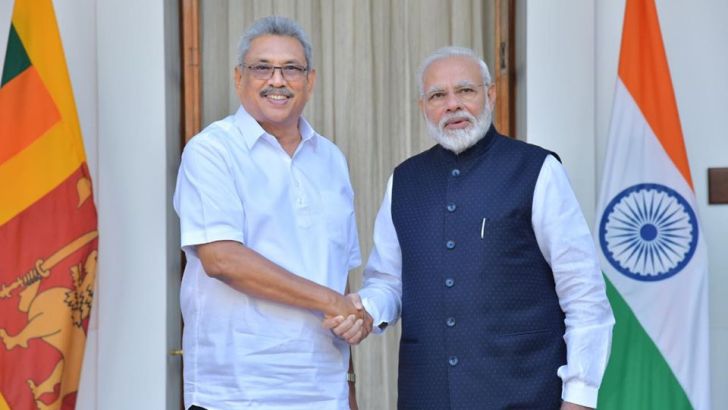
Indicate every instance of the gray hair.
{"type": "Point", "coordinates": [446, 52]}
{"type": "Point", "coordinates": [278, 26]}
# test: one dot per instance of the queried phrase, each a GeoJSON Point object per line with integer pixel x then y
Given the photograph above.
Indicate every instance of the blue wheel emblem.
{"type": "Point", "coordinates": [648, 232]}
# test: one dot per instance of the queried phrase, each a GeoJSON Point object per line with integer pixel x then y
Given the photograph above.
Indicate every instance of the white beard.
{"type": "Point", "coordinates": [459, 140]}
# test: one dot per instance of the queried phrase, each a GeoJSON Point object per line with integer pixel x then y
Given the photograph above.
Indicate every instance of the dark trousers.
{"type": "Point", "coordinates": [197, 408]}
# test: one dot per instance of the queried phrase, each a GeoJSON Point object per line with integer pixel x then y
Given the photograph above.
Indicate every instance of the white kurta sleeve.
{"type": "Point", "coordinates": [381, 292]}
{"type": "Point", "coordinates": [205, 198]}
{"type": "Point", "coordinates": [564, 239]}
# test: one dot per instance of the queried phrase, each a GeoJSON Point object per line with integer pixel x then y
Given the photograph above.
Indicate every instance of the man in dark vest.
{"type": "Point", "coordinates": [481, 248]}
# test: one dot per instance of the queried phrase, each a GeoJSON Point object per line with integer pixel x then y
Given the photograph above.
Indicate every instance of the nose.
{"type": "Point", "coordinates": [277, 79]}
{"type": "Point", "coordinates": [452, 102]}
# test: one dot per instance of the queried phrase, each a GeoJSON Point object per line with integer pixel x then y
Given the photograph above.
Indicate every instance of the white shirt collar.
{"type": "Point", "coordinates": [252, 131]}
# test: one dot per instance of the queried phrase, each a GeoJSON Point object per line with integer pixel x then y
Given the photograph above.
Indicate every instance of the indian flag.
{"type": "Point", "coordinates": [651, 244]}
{"type": "Point", "coordinates": [48, 226]}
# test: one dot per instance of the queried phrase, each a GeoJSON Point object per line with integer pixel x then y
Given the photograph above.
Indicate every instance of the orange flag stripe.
{"type": "Point", "coordinates": [26, 112]}
{"type": "Point", "coordinates": [645, 73]}
{"type": "Point", "coordinates": [39, 168]}
{"type": "Point", "coordinates": [35, 23]}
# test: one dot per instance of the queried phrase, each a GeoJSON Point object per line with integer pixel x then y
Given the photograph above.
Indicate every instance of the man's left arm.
{"type": "Point", "coordinates": [563, 236]}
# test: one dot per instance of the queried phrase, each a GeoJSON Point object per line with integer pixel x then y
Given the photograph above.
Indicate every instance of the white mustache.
{"type": "Point", "coordinates": [276, 91]}
{"type": "Point", "coordinates": [459, 116]}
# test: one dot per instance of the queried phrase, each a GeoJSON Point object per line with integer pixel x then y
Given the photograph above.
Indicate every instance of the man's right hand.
{"type": "Point", "coordinates": [355, 327]}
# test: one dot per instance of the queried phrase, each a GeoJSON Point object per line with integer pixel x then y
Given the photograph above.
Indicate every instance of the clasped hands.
{"type": "Point", "coordinates": [354, 323]}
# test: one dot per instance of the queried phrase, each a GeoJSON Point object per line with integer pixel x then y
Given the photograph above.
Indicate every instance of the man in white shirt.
{"type": "Point", "coordinates": [481, 248]}
{"type": "Point", "coordinates": [268, 228]}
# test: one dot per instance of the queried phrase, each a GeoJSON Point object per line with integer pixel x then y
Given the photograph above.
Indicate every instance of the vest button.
{"type": "Point", "coordinates": [449, 282]}
{"type": "Point", "coordinates": [451, 207]}
{"type": "Point", "coordinates": [450, 244]}
{"type": "Point", "coordinates": [450, 322]}
{"type": "Point", "coordinates": [453, 361]}
{"type": "Point", "coordinates": [455, 172]}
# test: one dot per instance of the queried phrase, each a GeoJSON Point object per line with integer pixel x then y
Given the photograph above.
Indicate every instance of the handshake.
{"type": "Point", "coordinates": [353, 324]}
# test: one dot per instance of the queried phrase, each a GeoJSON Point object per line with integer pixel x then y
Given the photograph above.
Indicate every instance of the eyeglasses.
{"type": "Point", "coordinates": [290, 72]}
{"type": "Point", "coordinates": [463, 93]}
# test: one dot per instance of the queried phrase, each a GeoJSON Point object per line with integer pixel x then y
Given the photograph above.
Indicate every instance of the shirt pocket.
{"type": "Point", "coordinates": [338, 211]}
{"type": "Point", "coordinates": [504, 239]}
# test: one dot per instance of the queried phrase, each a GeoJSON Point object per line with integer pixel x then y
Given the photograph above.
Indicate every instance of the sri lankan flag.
{"type": "Point", "coordinates": [48, 236]}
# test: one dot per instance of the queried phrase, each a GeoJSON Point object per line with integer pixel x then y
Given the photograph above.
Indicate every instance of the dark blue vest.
{"type": "Point", "coordinates": [481, 323]}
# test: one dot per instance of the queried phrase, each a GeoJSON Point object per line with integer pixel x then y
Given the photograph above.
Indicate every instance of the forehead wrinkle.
{"type": "Point", "coordinates": [276, 49]}
{"type": "Point", "coordinates": [464, 83]}
{"type": "Point", "coordinates": [286, 62]}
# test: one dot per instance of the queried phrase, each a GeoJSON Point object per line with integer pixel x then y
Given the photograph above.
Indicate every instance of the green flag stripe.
{"type": "Point", "coordinates": [16, 59]}
{"type": "Point", "coordinates": [637, 375]}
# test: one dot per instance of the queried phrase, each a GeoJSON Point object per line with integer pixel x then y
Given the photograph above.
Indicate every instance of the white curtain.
{"type": "Point", "coordinates": [366, 53]}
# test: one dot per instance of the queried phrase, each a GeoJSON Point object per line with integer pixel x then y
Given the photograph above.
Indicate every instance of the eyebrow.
{"type": "Point", "coordinates": [434, 89]}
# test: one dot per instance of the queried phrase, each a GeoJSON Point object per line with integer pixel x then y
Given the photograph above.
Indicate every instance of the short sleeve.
{"type": "Point", "coordinates": [206, 199]}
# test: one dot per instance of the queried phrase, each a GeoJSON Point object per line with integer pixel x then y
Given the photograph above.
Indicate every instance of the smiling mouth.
{"type": "Point", "coordinates": [276, 98]}
{"type": "Point", "coordinates": [276, 94]}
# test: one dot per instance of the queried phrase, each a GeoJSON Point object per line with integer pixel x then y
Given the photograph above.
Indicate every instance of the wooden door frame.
{"type": "Point", "coordinates": [191, 102]}
{"type": "Point", "coordinates": [191, 111]}
{"type": "Point", "coordinates": [504, 67]}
